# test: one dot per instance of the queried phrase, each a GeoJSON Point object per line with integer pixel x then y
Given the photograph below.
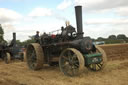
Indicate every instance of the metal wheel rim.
{"type": "Point", "coordinates": [34, 56]}
{"type": "Point", "coordinates": [24, 57]}
{"type": "Point", "coordinates": [71, 64]}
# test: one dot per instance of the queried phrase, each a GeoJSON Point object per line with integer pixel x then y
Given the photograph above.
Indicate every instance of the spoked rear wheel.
{"type": "Point", "coordinates": [24, 57]}
{"type": "Point", "coordinates": [71, 62]}
{"type": "Point", "coordinates": [7, 58]}
{"type": "Point", "coordinates": [98, 66]}
{"type": "Point", "coordinates": [35, 56]}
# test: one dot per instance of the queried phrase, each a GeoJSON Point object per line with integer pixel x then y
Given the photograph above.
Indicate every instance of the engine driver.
{"type": "Point", "coordinates": [37, 36]}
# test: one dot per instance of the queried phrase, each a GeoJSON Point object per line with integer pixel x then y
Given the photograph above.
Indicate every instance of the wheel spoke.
{"type": "Point", "coordinates": [69, 53]}
{"type": "Point", "coordinates": [65, 58]}
{"type": "Point", "coordinates": [76, 62]}
{"type": "Point", "coordinates": [99, 65]}
{"type": "Point", "coordinates": [67, 69]}
{"type": "Point", "coordinates": [76, 66]}
{"type": "Point", "coordinates": [90, 66]}
{"type": "Point", "coordinates": [73, 72]}
{"type": "Point", "coordinates": [65, 65]}
{"type": "Point", "coordinates": [94, 66]}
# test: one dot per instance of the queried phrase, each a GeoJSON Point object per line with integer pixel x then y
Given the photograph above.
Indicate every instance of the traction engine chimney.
{"type": "Point", "coordinates": [78, 12]}
{"type": "Point", "coordinates": [14, 38]}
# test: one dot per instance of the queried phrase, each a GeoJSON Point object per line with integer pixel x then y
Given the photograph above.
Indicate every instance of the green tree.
{"type": "Point", "coordinates": [121, 36]}
{"type": "Point", "coordinates": [1, 34]}
{"type": "Point", "coordinates": [18, 42]}
{"type": "Point", "coordinates": [112, 37]}
{"type": "Point", "coordinates": [100, 39]}
{"type": "Point", "coordinates": [26, 42]}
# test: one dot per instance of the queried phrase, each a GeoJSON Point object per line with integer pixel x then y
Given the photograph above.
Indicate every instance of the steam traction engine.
{"type": "Point", "coordinates": [11, 51]}
{"type": "Point", "coordinates": [69, 49]}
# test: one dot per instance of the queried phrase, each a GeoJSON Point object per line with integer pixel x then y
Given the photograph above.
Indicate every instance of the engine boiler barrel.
{"type": "Point", "coordinates": [78, 11]}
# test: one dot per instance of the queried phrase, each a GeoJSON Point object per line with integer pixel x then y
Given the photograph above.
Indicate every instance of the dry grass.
{"type": "Point", "coordinates": [115, 72]}
{"type": "Point", "coordinates": [17, 73]}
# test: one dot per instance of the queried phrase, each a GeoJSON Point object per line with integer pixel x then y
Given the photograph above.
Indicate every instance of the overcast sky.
{"type": "Point", "coordinates": [101, 18]}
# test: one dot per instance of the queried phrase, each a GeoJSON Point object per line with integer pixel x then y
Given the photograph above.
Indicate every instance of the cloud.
{"type": "Point", "coordinates": [26, 29]}
{"type": "Point", "coordinates": [9, 18]}
{"type": "Point", "coordinates": [106, 24]}
{"type": "Point", "coordinates": [37, 12]}
{"type": "Point", "coordinates": [60, 17]}
{"type": "Point", "coordinates": [8, 30]}
{"type": "Point", "coordinates": [96, 31]}
{"type": "Point", "coordinates": [65, 4]}
{"type": "Point", "coordinates": [122, 11]}
{"type": "Point", "coordinates": [110, 21]}
{"type": "Point", "coordinates": [7, 15]}
{"type": "Point", "coordinates": [97, 5]}
{"type": "Point", "coordinates": [8, 27]}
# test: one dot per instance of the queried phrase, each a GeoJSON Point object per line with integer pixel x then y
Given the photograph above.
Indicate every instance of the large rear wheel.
{"type": "Point", "coordinates": [24, 57]}
{"type": "Point", "coordinates": [71, 62]}
{"type": "Point", "coordinates": [7, 58]}
{"type": "Point", "coordinates": [98, 66]}
{"type": "Point", "coordinates": [35, 56]}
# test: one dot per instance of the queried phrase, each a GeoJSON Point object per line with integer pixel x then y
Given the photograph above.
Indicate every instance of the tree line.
{"type": "Point", "coordinates": [112, 39]}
